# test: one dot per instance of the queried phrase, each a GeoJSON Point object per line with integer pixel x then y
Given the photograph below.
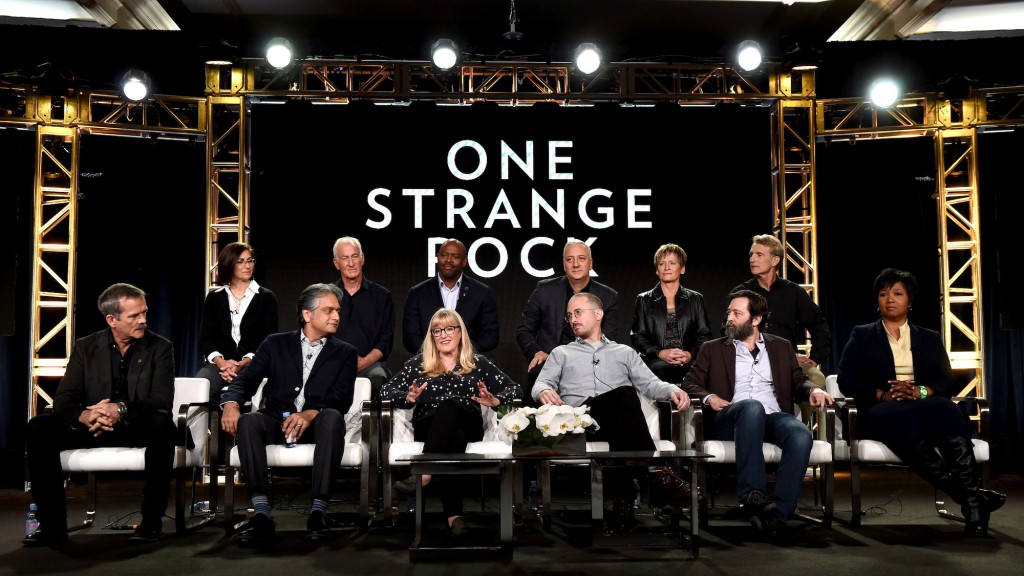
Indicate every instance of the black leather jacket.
{"type": "Point", "coordinates": [648, 332]}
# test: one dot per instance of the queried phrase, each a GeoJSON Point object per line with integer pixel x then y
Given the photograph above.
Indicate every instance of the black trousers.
{"type": "Point", "coordinates": [256, 430]}
{"type": "Point", "coordinates": [623, 427]}
{"type": "Point", "coordinates": [48, 434]}
{"type": "Point", "coordinates": [449, 429]}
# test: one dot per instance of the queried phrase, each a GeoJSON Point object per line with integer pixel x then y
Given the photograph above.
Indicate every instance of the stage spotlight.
{"type": "Point", "coordinates": [444, 53]}
{"type": "Point", "coordinates": [279, 52]}
{"type": "Point", "coordinates": [884, 92]}
{"type": "Point", "coordinates": [135, 85]}
{"type": "Point", "coordinates": [749, 55]}
{"type": "Point", "coordinates": [587, 58]}
{"type": "Point", "coordinates": [220, 53]}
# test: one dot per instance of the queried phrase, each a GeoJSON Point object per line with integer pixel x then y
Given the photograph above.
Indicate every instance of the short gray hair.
{"type": "Point", "coordinates": [573, 243]}
{"type": "Point", "coordinates": [310, 299]}
{"type": "Point", "coordinates": [346, 240]}
{"type": "Point", "coordinates": [109, 301]}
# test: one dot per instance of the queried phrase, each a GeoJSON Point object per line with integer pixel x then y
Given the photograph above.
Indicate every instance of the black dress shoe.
{"type": "Point", "coordinates": [43, 537]}
{"type": "Point", "coordinates": [317, 529]}
{"type": "Point", "coordinates": [407, 486]}
{"type": "Point", "coordinates": [770, 524]}
{"type": "Point", "coordinates": [149, 531]}
{"type": "Point", "coordinates": [260, 530]}
{"type": "Point", "coordinates": [758, 503]}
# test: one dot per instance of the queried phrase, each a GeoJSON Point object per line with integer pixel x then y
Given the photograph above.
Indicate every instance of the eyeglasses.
{"type": "Point", "coordinates": [449, 330]}
{"type": "Point", "coordinates": [244, 261]}
{"type": "Point", "coordinates": [576, 313]}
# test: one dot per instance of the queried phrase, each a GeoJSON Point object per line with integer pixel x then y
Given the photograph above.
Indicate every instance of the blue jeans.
{"type": "Point", "coordinates": [746, 423]}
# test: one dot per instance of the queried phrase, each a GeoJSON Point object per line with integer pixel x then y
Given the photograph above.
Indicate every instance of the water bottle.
{"type": "Point", "coordinates": [533, 495]}
{"type": "Point", "coordinates": [31, 521]}
{"type": "Point", "coordinates": [636, 499]}
{"type": "Point", "coordinates": [290, 441]}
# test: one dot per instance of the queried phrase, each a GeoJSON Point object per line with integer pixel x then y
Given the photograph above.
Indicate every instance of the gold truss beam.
{"type": "Point", "coordinates": [960, 253]}
{"type": "Point", "coordinates": [59, 122]}
{"type": "Point", "coordinates": [54, 228]}
{"type": "Point", "coordinates": [954, 125]}
{"type": "Point", "coordinates": [227, 163]}
{"type": "Point", "coordinates": [793, 180]}
{"type": "Point", "coordinates": [501, 82]}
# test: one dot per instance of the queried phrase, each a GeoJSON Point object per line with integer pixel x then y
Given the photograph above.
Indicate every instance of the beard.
{"type": "Point", "coordinates": [740, 332]}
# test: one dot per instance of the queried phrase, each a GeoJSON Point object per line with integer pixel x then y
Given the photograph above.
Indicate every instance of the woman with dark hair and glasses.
{"type": "Point", "coordinates": [900, 376]}
{"type": "Point", "coordinates": [237, 316]}
{"type": "Point", "coordinates": [446, 385]}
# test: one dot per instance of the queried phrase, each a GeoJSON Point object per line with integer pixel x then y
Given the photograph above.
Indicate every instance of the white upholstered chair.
{"type": "Point", "coordinates": [858, 452]}
{"type": "Point", "coordinates": [359, 436]}
{"type": "Point", "coordinates": [724, 452]}
{"type": "Point", "coordinates": [399, 442]}
{"type": "Point", "coordinates": [653, 411]}
{"type": "Point", "coordinates": [191, 415]}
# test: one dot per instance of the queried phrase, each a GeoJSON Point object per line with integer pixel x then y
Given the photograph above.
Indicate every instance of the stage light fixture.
{"type": "Point", "coordinates": [220, 53]}
{"type": "Point", "coordinates": [279, 52]}
{"type": "Point", "coordinates": [749, 55]}
{"type": "Point", "coordinates": [135, 85]}
{"type": "Point", "coordinates": [884, 92]}
{"type": "Point", "coordinates": [587, 58]}
{"type": "Point", "coordinates": [444, 53]}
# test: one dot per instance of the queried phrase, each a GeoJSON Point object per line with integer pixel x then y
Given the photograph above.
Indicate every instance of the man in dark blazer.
{"type": "Point", "coordinates": [117, 391]}
{"type": "Point", "coordinates": [544, 326]}
{"type": "Point", "coordinates": [472, 299]}
{"type": "Point", "coordinates": [310, 381]}
{"type": "Point", "coordinates": [753, 403]}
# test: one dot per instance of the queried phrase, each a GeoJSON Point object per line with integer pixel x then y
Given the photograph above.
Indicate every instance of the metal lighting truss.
{"type": "Point", "coordinates": [220, 119]}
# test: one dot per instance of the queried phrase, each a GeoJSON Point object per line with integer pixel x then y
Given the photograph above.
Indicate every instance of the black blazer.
{"type": "Point", "coordinates": [714, 372]}
{"type": "Point", "coordinates": [544, 317]}
{"type": "Point", "coordinates": [649, 322]}
{"type": "Point", "coordinates": [476, 306]}
{"type": "Point", "coordinates": [867, 363]}
{"type": "Point", "coordinates": [88, 380]}
{"type": "Point", "coordinates": [259, 321]}
{"type": "Point", "coordinates": [331, 382]}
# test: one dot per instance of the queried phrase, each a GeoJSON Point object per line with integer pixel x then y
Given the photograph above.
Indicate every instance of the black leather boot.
{"type": "Point", "coordinates": [978, 503]}
{"type": "Point", "coordinates": [923, 458]}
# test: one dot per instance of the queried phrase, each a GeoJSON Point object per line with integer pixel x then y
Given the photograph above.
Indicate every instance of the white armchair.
{"type": "Point", "coordinates": [399, 442]}
{"type": "Point", "coordinates": [724, 452]}
{"type": "Point", "coordinates": [858, 452]}
{"type": "Point", "coordinates": [192, 415]}
{"type": "Point", "coordinates": [359, 436]}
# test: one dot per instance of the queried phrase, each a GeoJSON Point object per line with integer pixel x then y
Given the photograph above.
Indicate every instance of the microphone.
{"type": "Point", "coordinates": [753, 353]}
{"type": "Point", "coordinates": [309, 356]}
{"type": "Point", "coordinates": [597, 361]}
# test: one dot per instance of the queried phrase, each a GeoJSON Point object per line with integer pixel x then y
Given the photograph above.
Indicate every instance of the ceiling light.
{"type": "Point", "coordinates": [884, 92]}
{"type": "Point", "coordinates": [587, 58]}
{"type": "Point", "coordinates": [444, 53]}
{"type": "Point", "coordinates": [279, 52]}
{"type": "Point", "coordinates": [749, 55]}
{"type": "Point", "coordinates": [135, 85]}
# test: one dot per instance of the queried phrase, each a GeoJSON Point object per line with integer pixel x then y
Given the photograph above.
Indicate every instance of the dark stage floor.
{"type": "Point", "coordinates": [901, 535]}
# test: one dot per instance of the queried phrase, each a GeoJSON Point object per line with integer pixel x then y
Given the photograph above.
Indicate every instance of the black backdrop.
{"type": "Point", "coordinates": [314, 168]}
{"type": "Point", "coordinates": [142, 218]}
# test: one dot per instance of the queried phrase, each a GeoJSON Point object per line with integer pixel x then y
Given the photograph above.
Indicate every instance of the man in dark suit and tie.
{"type": "Point", "coordinates": [116, 391]}
{"type": "Point", "coordinates": [472, 299]}
{"type": "Point", "coordinates": [544, 327]}
{"type": "Point", "coordinates": [311, 375]}
{"type": "Point", "coordinates": [751, 381]}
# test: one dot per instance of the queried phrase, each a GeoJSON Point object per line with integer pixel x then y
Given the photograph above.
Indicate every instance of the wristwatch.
{"type": "Point", "coordinates": [122, 409]}
{"type": "Point", "coordinates": [924, 392]}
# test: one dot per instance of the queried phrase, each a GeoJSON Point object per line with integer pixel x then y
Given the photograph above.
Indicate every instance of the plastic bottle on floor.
{"type": "Point", "coordinates": [31, 519]}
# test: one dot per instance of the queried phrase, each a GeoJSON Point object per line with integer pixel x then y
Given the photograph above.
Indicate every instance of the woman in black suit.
{"type": "Point", "coordinates": [669, 322]}
{"type": "Point", "coordinates": [237, 316]}
{"type": "Point", "coordinates": [899, 375]}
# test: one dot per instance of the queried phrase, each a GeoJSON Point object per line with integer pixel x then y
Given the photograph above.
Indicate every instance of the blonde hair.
{"type": "Point", "coordinates": [432, 364]}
